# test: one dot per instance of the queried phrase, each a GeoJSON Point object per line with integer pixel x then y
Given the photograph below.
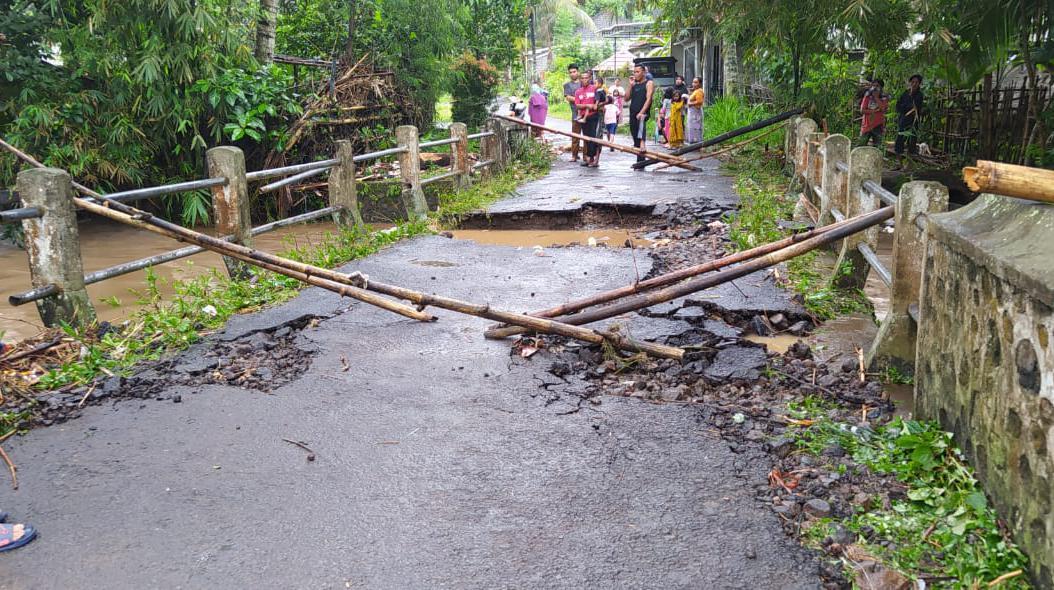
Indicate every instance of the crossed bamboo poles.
{"type": "Point", "coordinates": [629, 298]}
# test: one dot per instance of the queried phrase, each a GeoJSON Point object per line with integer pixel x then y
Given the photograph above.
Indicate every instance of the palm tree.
{"type": "Point", "coordinates": [541, 16]}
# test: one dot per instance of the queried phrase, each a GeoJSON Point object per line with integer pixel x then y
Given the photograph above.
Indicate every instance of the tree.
{"type": "Point", "coordinates": [265, 31]}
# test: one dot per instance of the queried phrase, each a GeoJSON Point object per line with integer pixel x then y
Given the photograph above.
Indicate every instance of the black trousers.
{"type": "Point", "coordinates": [907, 137]}
{"type": "Point", "coordinates": [638, 128]}
{"type": "Point", "coordinates": [592, 128]}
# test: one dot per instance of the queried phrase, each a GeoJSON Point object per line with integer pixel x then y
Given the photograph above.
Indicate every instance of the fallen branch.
{"type": "Point", "coordinates": [726, 150]}
{"type": "Point", "coordinates": [11, 467]}
{"type": "Point", "coordinates": [310, 452]}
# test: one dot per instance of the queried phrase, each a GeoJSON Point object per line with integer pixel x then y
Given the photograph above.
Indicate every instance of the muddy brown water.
{"type": "Point", "coordinates": [104, 244]}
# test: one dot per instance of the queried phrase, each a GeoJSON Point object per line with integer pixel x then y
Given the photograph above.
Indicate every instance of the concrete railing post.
{"type": "Point", "coordinates": [413, 195]}
{"type": "Point", "coordinates": [836, 149]}
{"type": "Point", "coordinates": [801, 140]}
{"type": "Point", "coordinates": [231, 202]}
{"type": "Point", "coordinates": [815, 170]}
{"type": "Point", "coordinates": [342, 188]}
{"type": "Point", "coordinates": [895, 344]}
{"type": "Point", "coordinates": [459, 156]}
{"type": "Point", "coordinates": [494, 147]}
{"type": "Point", "coordinates": [53, 246]}
{"type": "Point", "coordinates": [865, 163]}
{"type": "Point", "coordinates": [790, 145]}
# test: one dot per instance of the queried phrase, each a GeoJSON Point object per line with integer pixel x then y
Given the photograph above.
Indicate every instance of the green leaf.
{"type": "Point", "coordinates": [977, 501]}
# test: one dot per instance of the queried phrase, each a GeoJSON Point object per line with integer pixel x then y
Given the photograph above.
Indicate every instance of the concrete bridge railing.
{"type": "Point", "coordinates": [49, 219]}
{"type": "Point", "coordinates": [971, 318]}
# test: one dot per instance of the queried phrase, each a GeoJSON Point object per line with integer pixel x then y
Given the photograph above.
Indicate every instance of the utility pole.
{"type": "Point", "coordinates": [534, 53]}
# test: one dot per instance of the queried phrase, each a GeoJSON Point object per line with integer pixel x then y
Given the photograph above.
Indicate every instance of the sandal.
{"type": "Point", "coordinates": [13, 536]}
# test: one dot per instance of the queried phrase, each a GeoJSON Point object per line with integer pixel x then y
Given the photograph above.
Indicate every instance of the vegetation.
{"type": "Point", "coordinates": [474, 87]}
{"type": "Point", "coordinates": [942, 528]}
{"type": "Point", "coordinates": [205, 303]}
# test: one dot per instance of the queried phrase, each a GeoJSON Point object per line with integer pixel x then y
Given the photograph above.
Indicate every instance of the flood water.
{"type": "Point", "coordinates": [104, 244]}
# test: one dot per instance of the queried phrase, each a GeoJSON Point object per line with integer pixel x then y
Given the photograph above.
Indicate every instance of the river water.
{"type": "Point", "coordinates": [104, 244]}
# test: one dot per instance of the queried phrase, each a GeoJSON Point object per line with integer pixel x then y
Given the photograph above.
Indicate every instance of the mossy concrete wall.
{"type": "Point", "coordinates": [985, 357]}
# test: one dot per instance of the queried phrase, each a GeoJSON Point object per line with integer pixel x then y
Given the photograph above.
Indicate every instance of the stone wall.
{"type": "Point", "coordinates": [985, 356]}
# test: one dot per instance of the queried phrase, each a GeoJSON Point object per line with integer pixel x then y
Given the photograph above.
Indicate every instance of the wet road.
{"type": "Point", "coordinates": [442, 462]}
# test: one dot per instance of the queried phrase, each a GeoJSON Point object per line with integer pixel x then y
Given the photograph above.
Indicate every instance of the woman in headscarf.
{"type": "Point", "coordinates": [695, 112]}
{"type": "Point", "coordinates": [538, 108]}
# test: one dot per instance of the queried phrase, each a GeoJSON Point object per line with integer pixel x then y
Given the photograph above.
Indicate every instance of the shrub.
{"type": "Point", "coordinates": [475, 84]}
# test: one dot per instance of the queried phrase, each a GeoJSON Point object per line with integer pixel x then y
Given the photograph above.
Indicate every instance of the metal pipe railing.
{"type": "Point", "coordinates": [294, 169]}
{"type": "Point", "coordinates": [438, 177]}
{"type": "Point", "coordinates": [127, 267]}
{"type": "Point", "coordinates": [876, 264]}
{"type": "Point", "coordinates": [166, 189]}
{"type": "Point", "coordinates": [876, 189]}
{"type": "Point", "coordinates": [842, 167]}
{"type": "Point", "coordinates": [438, 142]}
{"type": "Point", "coordinates": [480, 135]}
{"type": "Point", "coordinates": [376, 155]}
{"type": "Point", "coordinates": [288, 180]}
{"type": "Point", "coordinates": [482, 164]}
{"type": "Point", "coordinates": [837, 214]}
{"type": "Point", "coordinates": [13, 215]}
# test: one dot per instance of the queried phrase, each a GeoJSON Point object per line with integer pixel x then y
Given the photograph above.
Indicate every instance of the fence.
{"type": "Point", "coordinates": [49, 219]}
{"type": "Point", "coordinates": [840, 182]}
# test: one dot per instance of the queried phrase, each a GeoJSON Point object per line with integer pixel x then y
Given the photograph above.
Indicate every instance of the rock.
{"type": "Point", "coordinates": [721, 329]}
{"type": "Point", "coordinates": [264, 373]}
{"type": "Point", "coordinates": [751, 553]}
{"type": "Point", "coordinates": [672, 394]}
{"type": "Point", "coordinates": [841, 535]}
{"type": "Point", "coordinates": [260, 342]}
{"type": "Point", "coordinates": [818, 508]}
{"type": "Point", "coordinates": [799, 328]}
{"type": "Point", "coordinates": [283, 332]}
{"type": "Point", "coordinates": [780, 446]}
{"type": "Point", "coordinates": [759, 326]}
{"type": "Point", "coordinates": [870, 575]}
{"type": "Point", "coordinates": [834, 451]}
{"type": "Point", "coordinates": [176, 399]}
{"type": "Point", "coordinates": [850, 365]}
{"type": "Point", "coordinates": [196, 364]}
{"type": "Point", "coordinates": [113, 385]}
{"type": "Point", "coordinates": [787, 510]}
{"type": "Point", "coordinates": [800, 350]}
{"type": "Point", "coordinates": [827, 381]}
{"type": "Point", "coordinates": [779, 320]}
{"type": "Point", "coordinates": [737, 362]}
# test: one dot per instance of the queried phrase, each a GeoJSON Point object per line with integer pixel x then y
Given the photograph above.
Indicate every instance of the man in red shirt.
{"type": "Point", "coordinates": [588, 115]}
{"type": "Point", "coordinates": [874, 106]}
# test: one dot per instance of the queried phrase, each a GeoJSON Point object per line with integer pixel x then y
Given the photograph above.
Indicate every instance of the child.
{"type": "Point", "coordinates": [611, 113]}
{"type": "Point", "coordinates": [663, 126]}
{"type": "Point", "coordinates": [677, 119]}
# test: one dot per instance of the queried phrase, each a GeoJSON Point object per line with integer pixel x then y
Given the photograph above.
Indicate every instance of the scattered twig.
{"type": "Point", "coordinates": [1004, 578]}
{"type": "Point", "coordinates": [803, 382]}
{"type": "Point", "coordinates": [14, 356]}
{"type": "Point", "coordinates": [310, 452]}
{"type": "Point", "coordinates": [860, 360]}
{"type": "Point", "coordinates": [86, 394]}
{"type": "Point", "coordinates": [11, 467]}
{"type": "Point", "coordinates": [929, 530]}
{"type": "Point", "coordinates": [8, 435]}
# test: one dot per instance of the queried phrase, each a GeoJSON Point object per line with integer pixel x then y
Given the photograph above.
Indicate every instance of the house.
{"type": "Point", "coordinates": [699, 54]}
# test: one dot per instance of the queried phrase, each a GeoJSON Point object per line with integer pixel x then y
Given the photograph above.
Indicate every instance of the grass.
{"type": "Point", "coordinates": [444, 108]}
{"type": "Point", "coordinates": [943, 528]}
{"type": "Point", "coordinates": [205, 303]}
{"type": "Point", "coordinates": [764, 202]}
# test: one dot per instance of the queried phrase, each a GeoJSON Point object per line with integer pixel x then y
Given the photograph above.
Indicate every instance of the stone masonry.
{"type": "Point", "coordinates": [985, 357]}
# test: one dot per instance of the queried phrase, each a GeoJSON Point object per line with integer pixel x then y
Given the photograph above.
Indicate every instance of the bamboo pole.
{"type": "Point", "coordinates": [724, 151]}
{"type": "Point", "coordinates": [690, 286]}
{"type": "Point", "coordinates": [1035, 184]}
{"type": "Point", "coordinates": [672, 160]}
{"type": "Point", "coordinates": [726, 136]}
{"type": "Point", "coordinates": [670, 278]}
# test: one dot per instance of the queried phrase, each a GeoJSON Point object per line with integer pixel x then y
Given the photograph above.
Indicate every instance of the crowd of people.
{"type": "Point", "coordinates": [597, 111]}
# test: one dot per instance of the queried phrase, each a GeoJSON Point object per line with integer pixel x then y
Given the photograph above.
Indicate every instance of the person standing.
{"type": "Point", "coordinates": [641, 91]}
{"type": "Point", "coordinates": [909, 113]}
{"type": "Point", "coordinates": [618, 94]}
{"type": "Point", "coordinates": [677, 120]}
{"type": "Point", "coordinates": [611, 116]}
{"type": "Point", "coordinates": [679, 87]}
{"type": "Point", "coordinates": [695, 112]}
{"type": "Point", "coordinates": [874, 106]}
{"type": "Point", "coordinates": [570, 90]}
{"type": "Point", "coordinates": [588, 116]}
{"type": "Point", "coordinates": [538, 108]}
{"type": "Point", "coordinates": [662, 129]}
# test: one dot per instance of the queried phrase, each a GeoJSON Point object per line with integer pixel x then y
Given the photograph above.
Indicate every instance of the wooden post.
{"type": "Point", "coordinates": [342, 188]}
{"type": "Point", "coordinates": [231, 202]}
{"type": "Point", "coordinates": [836, 149]}
{"type": "Point", "coordinates": [410, 171]}
{"type": "Point", "coordinates": [801, 137]}
{"type": "Point", "coordinates": [459, 156]}
{"type": "Point", "coordinates": [895, 344]}
{"type": "Point", "coordinates": [865, 163]}
{"type": "Point", "coordinates": [53, 246]}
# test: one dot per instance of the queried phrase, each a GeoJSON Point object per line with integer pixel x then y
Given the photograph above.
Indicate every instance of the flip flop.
{"type": "Point", "coordinates": [7, 536]}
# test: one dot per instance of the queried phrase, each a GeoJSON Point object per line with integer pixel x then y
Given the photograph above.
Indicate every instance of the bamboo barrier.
{"type": "Point", "coordinates": [690, 286]}
{"type": "Point", "coordinates": [1035, 184]}
{"type": "Point", "coordinates": [726, 136]}
{"type": "Point", "coordinates": [725, 150]}
{"type": "Point", "coordinates": [497, 332]}
{"type": "Point", "coordinates": [672, 160]}
{"type": "Point", "coordinates": [360, 283]}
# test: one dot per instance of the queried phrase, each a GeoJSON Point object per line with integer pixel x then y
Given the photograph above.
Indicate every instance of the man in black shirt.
{"type": "Point", "coordinates": [909, 113]}
{"type": "Point", "coordinates": [641, 91]}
